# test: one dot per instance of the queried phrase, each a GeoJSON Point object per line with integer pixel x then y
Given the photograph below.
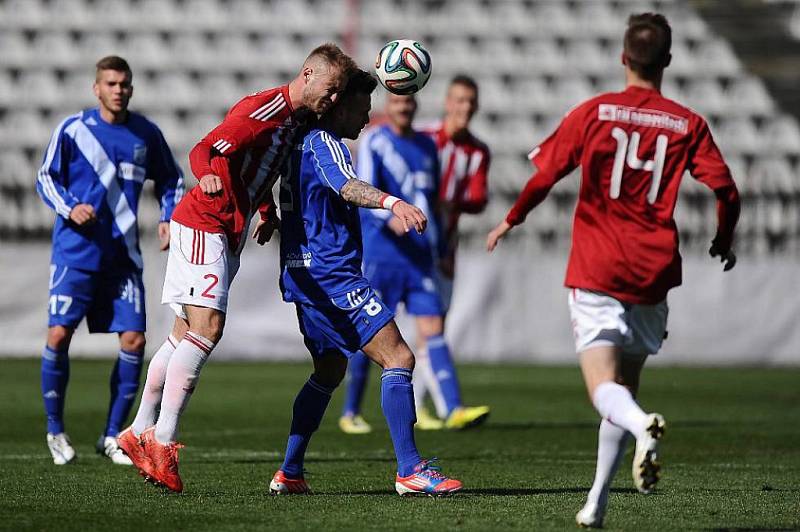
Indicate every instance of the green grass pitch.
{"type": "Point", "coordinates": [731, 453]}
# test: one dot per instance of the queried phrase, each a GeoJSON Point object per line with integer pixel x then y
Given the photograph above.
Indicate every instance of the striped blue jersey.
{"type": "Point", "coordinates": [91, 161]}
{"type": "Point", "coordinates": [408, 168]}
{"type": "Point", "coordinates": [320, 232]}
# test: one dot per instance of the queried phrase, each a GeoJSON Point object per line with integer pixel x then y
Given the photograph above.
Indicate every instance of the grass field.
{"type": "Point", "coordinates": [732, 457]}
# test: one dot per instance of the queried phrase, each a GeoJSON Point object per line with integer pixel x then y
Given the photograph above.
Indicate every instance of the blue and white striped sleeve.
{"type": "Point", "coordinates": [52, 180]}
{"type": "Point", "coordinates": [167, 176]}
{"type": "Point", "coordinates": [332, 162]}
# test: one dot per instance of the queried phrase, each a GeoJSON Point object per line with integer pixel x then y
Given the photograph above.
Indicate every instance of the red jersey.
{"type": "Point", "coordinates": [464, 168]}
{"type": "Point", "coordinates": [247, 151]}
{"type": "Point", "coordinates": [633, 147]}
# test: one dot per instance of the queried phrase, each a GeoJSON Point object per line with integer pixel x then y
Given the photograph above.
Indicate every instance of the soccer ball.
{"type": "Point", "coordinates": [403, 66]}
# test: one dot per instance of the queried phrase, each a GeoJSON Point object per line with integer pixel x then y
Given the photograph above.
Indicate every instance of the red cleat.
{"type": "Point", "coordinates": [131, 445]}
{"type": "Point", "coordinates": [280, 485]}
{"type": "Point", "coordinates": [164, 460]}
{"type": "Point", "coordinates": [427, 479]}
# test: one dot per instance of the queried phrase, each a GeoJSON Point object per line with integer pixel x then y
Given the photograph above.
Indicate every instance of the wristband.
{"type": "Point", "coordinates": [387, 201]}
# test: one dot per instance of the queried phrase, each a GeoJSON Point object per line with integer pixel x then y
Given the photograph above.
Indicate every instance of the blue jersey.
{"type": "Point", "coordinates": [91, 161]}
{"type": "Point", "coordinates": [321, 249]}
{"type": "Point", "coordinates": [408, 168]}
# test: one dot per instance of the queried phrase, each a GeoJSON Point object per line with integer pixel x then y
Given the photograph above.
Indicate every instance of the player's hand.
{"type": "Point", "coordinates": [211, 184]}
{"type": "Point", "coordinates": [396, 226]}
{"type": "Point", "coordinates": [410, 216]}
{"type": "Point", "coordinates": [726, 257]}
{"type": "Point", "coordinates": [82, 214]}
{"type": "Point", "coordinates": [497, 234]}
{"type": "Point", "coordinates": [163, 236]}
{"type": "Point", "coordinates": [265, 228]}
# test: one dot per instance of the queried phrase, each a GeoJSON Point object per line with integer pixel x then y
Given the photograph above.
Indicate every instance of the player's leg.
{"type": "Point", "coordinates": [330, 366]}
{"type": "Point", "coordinates": [150, 403]}
{"type": "Point", "coordinates": [351, 421]}
{"type": "Point", "coordinates": [71, 294]}
{"type": "Point", "coordinates": [414, 475]}
{"type": "Point", "coordinates": [425, 385]}
{"type": "Point", "coordinates": [424, 303]}
{"type": "Point", "coordinates": [612, 441]}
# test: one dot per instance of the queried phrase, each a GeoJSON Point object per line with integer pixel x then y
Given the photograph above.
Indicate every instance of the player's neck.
{"type": "Point", "coordinates": [632, 80]}
{"type": "Point", "coordinates": [401, 131]}
{"type": "Point", "coordinates": [113, 118]}
{"type": "Point", "coordinates": [296, 94]}
{"type": "Point", "coordinates": [453, 131]}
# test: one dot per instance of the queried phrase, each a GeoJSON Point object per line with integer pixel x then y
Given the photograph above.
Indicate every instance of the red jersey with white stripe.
{"type": "Point", "coordinates": [633, 147]}
{"type": "Point", "coordinates": [247, 151]}
{"type": "Point", "coordinates": [464, 163]}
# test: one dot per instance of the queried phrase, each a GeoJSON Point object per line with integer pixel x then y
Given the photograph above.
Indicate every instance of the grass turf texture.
{"type": "Point", "coordinates": [732, 460]}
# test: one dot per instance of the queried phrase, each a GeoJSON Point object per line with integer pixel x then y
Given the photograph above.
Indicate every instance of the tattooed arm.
{"type": "Point", "coordinates": [361, 194]}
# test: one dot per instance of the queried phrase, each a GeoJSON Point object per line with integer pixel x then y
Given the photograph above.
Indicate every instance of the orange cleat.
{"type": "Point", "coordinates": [131, 445]}
{"type": "Point", "coordinates": [164, 460]}
{"type": "Point", "coordinates": [280, 485]}
{"type": "Point", "coordinates": [427, 479]}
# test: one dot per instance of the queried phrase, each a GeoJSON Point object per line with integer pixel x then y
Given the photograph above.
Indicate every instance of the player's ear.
{"type": "Point", "coordinates": [96, 89]}
{"type": "Point", "coordinates": [624, 59]}
{"type": "Point", "coordinates": [668, 61]}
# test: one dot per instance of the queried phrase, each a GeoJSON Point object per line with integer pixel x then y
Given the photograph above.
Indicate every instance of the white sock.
{"type": "Point", "coordinates": [153, 387]}
{"type": "Point", "coordinates": [611, 443]}
{"type": "Point", "coordinates": [615, 403]}
{"type": "Point", "coordinates": [183, 372]}
{"type": "Point", "coordinates": [425, 383]}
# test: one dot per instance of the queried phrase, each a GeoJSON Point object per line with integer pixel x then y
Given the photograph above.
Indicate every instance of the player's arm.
{"type": "Point", "coordinates": [333, 165]}
{"type": "Point", "coordinates": [707, 166]}
{"type": "Point", "coordinates": [52, 180]}
{"type": "Point", "coordinates": [475, 196]}
{"type": "Point", "coordinates": [234, 134]}
{"type": "Point", "coordinates": [168, 179]}
{"type": "Point", "coordinates": [555, 158]}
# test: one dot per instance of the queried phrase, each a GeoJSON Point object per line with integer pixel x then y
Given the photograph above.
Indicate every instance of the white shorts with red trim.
{"type": "Point", "coordinates": [200, 269]}
{"type": "Point", "coordinates": [601, 320]}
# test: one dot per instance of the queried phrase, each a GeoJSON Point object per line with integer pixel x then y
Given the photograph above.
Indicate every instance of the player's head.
{"type": "Point", "coordinates": [113, 84]}
{"type": "Point", "coordinates": [647, 44]}
{"type": "Point", "coordinates": [351, 113]}
{"type": "Point", "coordinates": [460, 103]}
{"type": "Point", "coordinates": [400, 111]}
{"type": "Point", "coordinates": [323, 76]}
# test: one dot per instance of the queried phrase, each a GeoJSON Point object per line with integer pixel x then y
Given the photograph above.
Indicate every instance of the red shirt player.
{"type": "Point", "coordinates": [633, 147]}
{"type": "Point", "coordinates": [236, 164]}
{"type": "Point", "coordinates": [464, 162]}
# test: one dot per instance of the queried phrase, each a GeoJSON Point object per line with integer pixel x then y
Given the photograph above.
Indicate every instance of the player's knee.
{"type": "Point", "coordinates": [399, 358]}
{"type": "Point", "coordinates": [330, 370]}
{"type": "Point", "coordinates": [132, 342]}
{"type": "Point", "coordinates": [58, 338]}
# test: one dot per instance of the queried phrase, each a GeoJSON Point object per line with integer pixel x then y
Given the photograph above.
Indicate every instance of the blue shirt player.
{"type": "Point", "coordinates": [92, 176]}
{"type": "Point", "coordinates": [338, 311]}
{"type": "Point", "coordinates": [403, 268]}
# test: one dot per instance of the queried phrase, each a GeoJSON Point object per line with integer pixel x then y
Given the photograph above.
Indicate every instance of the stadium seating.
{"type": "Point", "coordinates": [534, 60]}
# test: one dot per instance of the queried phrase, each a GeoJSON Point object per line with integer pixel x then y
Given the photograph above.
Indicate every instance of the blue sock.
{"type": "Point", "coordinates": [445, 371]}
{"type": "Point", "coordinates": [309, 407]}
{"type": "Point", "coordinates": [124, 385]}
{"type": "Point", "coordinates": [357, 373]}
{"type": "Point", "coordinates": [397, 401]}
{"type": "Point", "coordinates": [55, 376]}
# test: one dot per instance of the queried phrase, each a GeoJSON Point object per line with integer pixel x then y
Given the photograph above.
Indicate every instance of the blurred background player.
{"type": "Point", "coordinates": [464, 168]}
{"type": "Point", "coordinates": [633, 147]}
{"type": "Point", "coordinates": [338, 311]}
{"type": "Point", "coordinates": [402, 267]}
{"type": "Point", "coordinates": [92, 176]}
{"type": "Point", "coordinates": [236, 164]}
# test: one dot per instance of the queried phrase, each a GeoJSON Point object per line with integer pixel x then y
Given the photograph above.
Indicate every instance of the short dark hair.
{"type": "Point", "coordinates": [333, 56]}
{"type": "Point", "coordinates": [359, 81]}
{"type": "Point", "coordinates": [465, 80]}
{"type": "Point", "coordinates": [113, 62]}
{"type": "Point", "coordinates": [648, 40]}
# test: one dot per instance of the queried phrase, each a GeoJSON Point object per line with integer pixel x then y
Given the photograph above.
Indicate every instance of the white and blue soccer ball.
{"type": "Point", "coordinates": [403, 66]}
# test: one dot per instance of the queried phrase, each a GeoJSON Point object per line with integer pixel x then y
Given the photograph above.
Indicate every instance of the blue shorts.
{"type": "Point", "coordinates": [110, 301]}
{"type": "Point", "coordinates": [413, 287]}
{"type": "Point", "coordinates": [344, 325]}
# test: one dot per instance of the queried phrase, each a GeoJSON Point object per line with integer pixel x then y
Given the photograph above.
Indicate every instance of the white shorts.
{"type": "Point", "coordinates": [601, 320]}
{"type": "Point", "coordinates": [200, 269]}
